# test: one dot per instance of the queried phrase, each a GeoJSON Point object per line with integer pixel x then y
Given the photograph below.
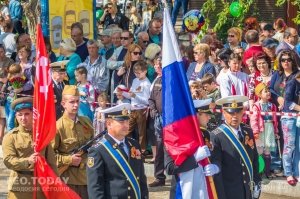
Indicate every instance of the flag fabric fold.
{"type": "Point", "coordinates": [44, 125]}
{"type": "Point", "coordinates": [181, 132]}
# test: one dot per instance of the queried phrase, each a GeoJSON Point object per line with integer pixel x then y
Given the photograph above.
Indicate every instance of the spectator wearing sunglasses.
{"type": "Point", "coordinates": [290, 40]}
{"type": "Point", "coordinates": [234, 39]}
{"type": "Point", "coordinates": [112, 16]}
{"type": "Point", "coordinates": [143, 40]}
{"type": "Point", "coordinates": [202, 65]}
{"type": "Point", "coordinates": [125, 74]}
{"type": "Point", "coordinates": [283, 97]}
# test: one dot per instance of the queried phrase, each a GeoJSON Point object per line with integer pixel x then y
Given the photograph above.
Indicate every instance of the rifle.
{"type": "Point", "coordinates": [81, 150]}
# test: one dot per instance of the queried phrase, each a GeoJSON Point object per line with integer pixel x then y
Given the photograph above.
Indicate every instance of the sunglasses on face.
{"type": "Point", "coordinates": [137, 53]}
{"type": "Point", "coordinates": [124, 38]}
{"type": "Point", "coordinates": [231, 36]}
{"type": "Point", "coordinates": [145, 42]}
{"type": "Point", "coordinates": [286, 59]}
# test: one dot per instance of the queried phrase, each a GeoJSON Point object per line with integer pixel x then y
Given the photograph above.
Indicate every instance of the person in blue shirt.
{"type": "Point", "coordinates": [67, 52]}
{"type": "Point", "coordinates": [202, 65]}
{"type": "Point", "coordinates": [16, 14]}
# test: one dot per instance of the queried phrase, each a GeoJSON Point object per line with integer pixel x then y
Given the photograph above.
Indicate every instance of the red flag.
{"type": "Point", "coordinates": [44, 125]}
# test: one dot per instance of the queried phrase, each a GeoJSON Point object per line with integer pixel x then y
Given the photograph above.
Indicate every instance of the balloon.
{"type": "Point", "coordinates": [261, 164]}
{"type": "Point", "coordinates": [193, 21]}
{"type": "Point", "coordinates": [99, 14]}
{"type": "Point", "coordinates": [235, 9]}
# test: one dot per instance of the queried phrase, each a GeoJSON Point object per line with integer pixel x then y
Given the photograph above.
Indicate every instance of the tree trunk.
{"type": "Point", "coordinates": [32, 11]}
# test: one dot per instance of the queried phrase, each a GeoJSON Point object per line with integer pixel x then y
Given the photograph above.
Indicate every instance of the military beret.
{"type": "Point", "coordinates": [70, 90]}
{"type": "Point", "coordinates": [22, 103]}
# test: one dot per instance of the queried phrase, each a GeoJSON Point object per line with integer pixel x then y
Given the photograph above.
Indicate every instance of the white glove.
{"type": "Point", "coordinates": [256, 192]}
{"type": "Point", "coordinates": [211, 169]}
{"type": "Point", "coordinates": [201, 153]}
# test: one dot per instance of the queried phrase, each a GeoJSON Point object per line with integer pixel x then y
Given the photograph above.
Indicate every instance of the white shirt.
{"type": "Point", "coordinates": [119, 142]}
{"type": "Point", "coordinates": [141, 88]}
{"type": "Point", "coordinates": [237, 79]}
{"type": "Point", "coordinates": [234, 130]}
{"type": "Point", "coordinates": [9, 42]}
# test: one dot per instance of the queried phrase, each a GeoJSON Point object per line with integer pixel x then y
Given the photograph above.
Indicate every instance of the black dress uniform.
{"type": "Point", "coordinates": [58, 88]}
{"type": "Point", "coordinates": [105, 178]}
{"type": "Point", "coordinates": [233, 181]}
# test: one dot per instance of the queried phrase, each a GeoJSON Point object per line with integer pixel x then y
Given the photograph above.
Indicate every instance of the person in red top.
{"type": "Point", "coordinates": [252, 38]}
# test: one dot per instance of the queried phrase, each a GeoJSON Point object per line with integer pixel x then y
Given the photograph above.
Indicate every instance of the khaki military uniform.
{"type": "Point", "coordinates": [17, 147]}
{"type": "Point", "coordinates": [71, 135]}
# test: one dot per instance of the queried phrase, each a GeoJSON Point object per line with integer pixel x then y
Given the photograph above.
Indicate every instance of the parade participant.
{"type": "Point", "coordinates": [204, 115]}
{"type": "Point", "coordinates": [73, 131]}
{"type": "Point", "coordinates": [58, 72]}
{"type": "Point", "coordinates": [18, 153]}
{"type": "Point", "coordinates": [115, 166]}
{"type": "Point", "coordinates": [234, 152]}
{"type": "Point", "coordinates": [199, 184]}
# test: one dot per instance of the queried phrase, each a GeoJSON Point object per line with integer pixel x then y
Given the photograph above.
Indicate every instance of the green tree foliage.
{"type": "Point", "coordinates": [295, 3]}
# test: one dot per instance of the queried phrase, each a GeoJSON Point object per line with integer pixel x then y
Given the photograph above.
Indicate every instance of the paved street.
{"type": "Point", "coordinates": [155, 193]}
{"type": "Point", "coordinates": [163, 193]}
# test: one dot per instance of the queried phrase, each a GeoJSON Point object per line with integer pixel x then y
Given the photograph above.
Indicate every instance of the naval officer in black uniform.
{"type": "Point", "coordinates": [203, 115]}
{"type": "Point", "coordinates": [58, 72]}
{"type": "Point", "coordinates": [115, 167]}
{"type": "Point", "coordinates": [235, 153]}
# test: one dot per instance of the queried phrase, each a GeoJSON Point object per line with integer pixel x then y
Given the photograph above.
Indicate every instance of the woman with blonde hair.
{"type": "Point", "coordinates": [234, 39]}
{"type": "Point", "coordinates": [125, 74]}
{"type": "Point", "coordinates": [202, 65]}
{"type": "Point", "coordinates": [67, 52]}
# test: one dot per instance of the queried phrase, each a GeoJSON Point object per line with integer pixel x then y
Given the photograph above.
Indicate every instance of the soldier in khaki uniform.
{"type": "Point", "coordinates": [18, 153]}
{"type": "Point", "coordinates": [73, 131]}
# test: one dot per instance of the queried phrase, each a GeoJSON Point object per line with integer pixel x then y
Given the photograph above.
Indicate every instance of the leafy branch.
{"type": "Point", "coordinates": [293, 2]}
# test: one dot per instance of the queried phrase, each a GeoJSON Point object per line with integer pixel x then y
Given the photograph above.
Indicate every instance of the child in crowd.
{"type": "Point", "coordinates": [120, 89]}
{"type": "Point", "coordinates": [16, 86]}
{"type": "Point", "coordinates": [99, 118]}
{"type": "Point", "coordinates": [212, 90]}
{"type": "Point", "coordinates": [264, 126]}
{"type": "Point", "coordinates": [87, 93]}
{"type": "Point", "coordinates": [197, 90]}
{"type": "Point", "coordinates": [140, 93]}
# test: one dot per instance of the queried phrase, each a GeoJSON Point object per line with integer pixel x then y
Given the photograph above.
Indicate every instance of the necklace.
{"type": "Point", "coordinates": [265, 75]}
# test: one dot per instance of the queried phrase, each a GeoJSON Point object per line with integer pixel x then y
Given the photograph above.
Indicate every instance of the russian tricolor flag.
{"type": "Point", "coordinates": [180, 125]}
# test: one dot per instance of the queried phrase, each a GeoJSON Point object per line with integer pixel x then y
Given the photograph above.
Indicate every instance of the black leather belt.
{"type": "Point", "coordinates": [25, 172]}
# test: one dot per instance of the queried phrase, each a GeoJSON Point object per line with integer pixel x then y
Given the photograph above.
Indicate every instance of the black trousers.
{"type": "Point", "coordinates": [159, 167]}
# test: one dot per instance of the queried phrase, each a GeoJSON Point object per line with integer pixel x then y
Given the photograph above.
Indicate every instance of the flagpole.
{"type": "Point", "coordinates": [211, 189]}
